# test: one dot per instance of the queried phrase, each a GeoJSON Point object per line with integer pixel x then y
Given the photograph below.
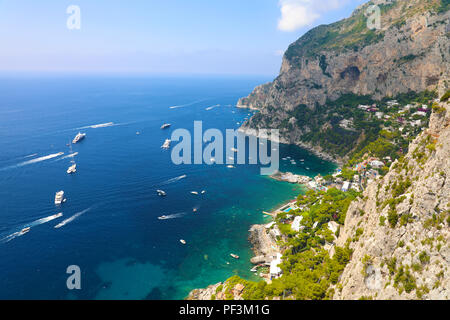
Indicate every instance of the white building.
{"type": "Point", "coordinates": [355, 187]}
{"type": "Point", "coordinates": [275, 270]}
{"type": "Point", "coordinates": [416, 123]}
{"type": "Point", "coordinates": [269, 225]}
{"type": "Point", "coordinates": [296, 223]}
{"type": "Point", "coordinates": [377, 164]}
{"type": "Point", "coordinates": [345, 186]}
{"type": "Point", "coordinates": [420, 113]}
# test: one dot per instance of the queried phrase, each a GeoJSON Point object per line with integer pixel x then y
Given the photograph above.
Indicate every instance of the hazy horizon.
{"type": "Point", "coordinates": [154, 37]}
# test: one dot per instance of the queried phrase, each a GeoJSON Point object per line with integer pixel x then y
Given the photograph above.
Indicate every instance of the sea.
{"type": "Point", "coordinates": [109, 226]}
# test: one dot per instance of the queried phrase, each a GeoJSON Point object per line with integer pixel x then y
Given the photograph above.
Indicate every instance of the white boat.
{"type": "Point", "coordinates": [163, 218]}
{"type": "Point", "coordinates": [165, 126]}
{"type": "Point", "coordinates": [80, 136]}
{"type": "Point", "coordinates": [72, 169]}
{"type": "Point", "coordinates": [59, 197]}
{"type": "Point", "coordinates": [166, 144]}
{"type": "Point", "coordinates": [183, 241]}
{"type": "Point", "coordinates": [161, 193]}
{"type": "Point", "coordinates": [203, 191]}
{"type": "Point", "coordinates": [234, 255]}
{"type": "Point", "coordinates": [230, 166]}
{"type": "Point", "coordinates": [24, 230]}
{"type": "Point", "coordinates": [194, 192]}
{"type": "Point", "coordinates": [234, 149]}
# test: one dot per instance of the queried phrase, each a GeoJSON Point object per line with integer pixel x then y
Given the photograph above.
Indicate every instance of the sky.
{"type": "Point", "coordinates": [245, 37]}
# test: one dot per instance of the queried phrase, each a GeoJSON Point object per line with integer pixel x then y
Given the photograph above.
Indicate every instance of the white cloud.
{"type": "Point", "coordinates": [296, 14]}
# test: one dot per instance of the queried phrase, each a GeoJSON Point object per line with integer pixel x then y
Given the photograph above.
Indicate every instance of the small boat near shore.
{"type": "Point", "coordinates": [234, 255]}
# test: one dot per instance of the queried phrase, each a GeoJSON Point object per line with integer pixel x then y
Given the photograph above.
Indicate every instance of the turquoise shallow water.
{"type": "Point", "coordinates": [122, 248]}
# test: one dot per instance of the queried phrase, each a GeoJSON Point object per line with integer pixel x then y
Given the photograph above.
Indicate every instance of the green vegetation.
{"type": "Point", "coordinates": [444, 6]}
{"type": "Point", "coordinates": [404, 280]}
{"type": "Point", "coordinates": [347, 34]}
{"type": "Point", "coordinates": [424, 257]}
{"type": "Point", "coordinates": [366, 134]}
{"type": "Point", "coordinates": [307, 275]}
{"type": "Point", "coordinates": [446, 96]}
{"type": "Point", "coordinates": [308, 270]}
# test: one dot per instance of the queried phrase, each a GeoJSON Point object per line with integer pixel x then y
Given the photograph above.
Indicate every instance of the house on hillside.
{"type": "Point", "coordinates": [275, 271]}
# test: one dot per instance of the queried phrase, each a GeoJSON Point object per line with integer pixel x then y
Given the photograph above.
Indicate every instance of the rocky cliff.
{"type": "Point", "coordinates": [410, 52]}
{"type": "Point", "coordinates": [404, 219]}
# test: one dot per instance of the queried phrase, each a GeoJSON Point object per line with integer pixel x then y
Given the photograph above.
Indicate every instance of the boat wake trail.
{"type": "Point", "coordinates": [100, 125]}
{"type": "Point", "coordinates": [30, 156]}
{"type": "Point", "coordinates": [173, 180]}
{"type": "Point", "coordinates": [11, 237]}
{"type": "Point", "coordinates": [186, 105]}
{"type": "Point", "coordinates": [30, 225]}
{"type": "Point", "coordinates": [69, 220]}
{"type": "Point", "coordinates": [72, 155]}
{"type": "Point", "coordinates": [172, 216]}
{"type": "Point", "coordinates": [36, 160]}
{"type": "Point", "coordinates": [44, 220]}
{"type": "Point", "coordinates": [212, 107]}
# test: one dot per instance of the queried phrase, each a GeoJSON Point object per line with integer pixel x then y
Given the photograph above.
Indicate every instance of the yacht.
{"type": "Point", "coordinates": [59, 197]}
{"type": "Point", "coordinates": [72, 169]}
{"type": "Point", "coordinates": [165, 126]}
{"type": "Point", "coordinates": [161, 193]}
{"type": "Point", "coordinates": [73, 166]}
{"type": "Point", "coordinates": [166, 144]}
{"type": "Point", "coordinates": [80, 136]}
{"type": "Point", "coordinates": [163, 218]}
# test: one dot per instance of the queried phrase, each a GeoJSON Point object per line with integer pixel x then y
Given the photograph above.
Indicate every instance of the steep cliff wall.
{"type": "Point", "coordinates": [411, 52]}
{"type": "Point", "coordinates": [404, 218]}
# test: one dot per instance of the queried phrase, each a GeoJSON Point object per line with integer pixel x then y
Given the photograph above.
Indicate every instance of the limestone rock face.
{"type": "Point", "coordinates": [410, 260]}
{"type": "Point", "coordinates": [411, 52]}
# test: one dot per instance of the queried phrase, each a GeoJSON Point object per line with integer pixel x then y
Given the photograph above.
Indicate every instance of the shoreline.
{"type": "Point", "coordinates": [264, 247]}
{"type": "Point", "coordinates": [317, 152]}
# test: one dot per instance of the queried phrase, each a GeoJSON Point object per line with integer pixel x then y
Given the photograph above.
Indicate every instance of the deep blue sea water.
{"type": "Point", "coordinates": [123, 250]}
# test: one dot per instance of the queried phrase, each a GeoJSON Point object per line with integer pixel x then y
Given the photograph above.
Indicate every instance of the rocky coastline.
{"type": "Point", "coordinates": [316, 150]}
